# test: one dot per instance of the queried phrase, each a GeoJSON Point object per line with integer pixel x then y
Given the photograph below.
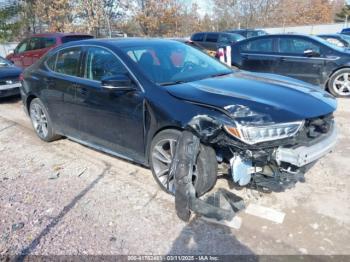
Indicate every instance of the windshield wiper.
{"type": "Point", "coordinates": [172, 83]}
{"type": "Point", "coordinates": [221, 74]}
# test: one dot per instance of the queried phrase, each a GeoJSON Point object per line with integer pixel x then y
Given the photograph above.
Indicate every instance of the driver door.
{"type": "Point", "coordinates": [109, 118]}
{"type": "Point", "coordinates": [295, 62]}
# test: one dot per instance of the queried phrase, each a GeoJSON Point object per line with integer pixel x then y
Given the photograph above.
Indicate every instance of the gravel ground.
{"type": "Point", "coordinates": [62, 198]}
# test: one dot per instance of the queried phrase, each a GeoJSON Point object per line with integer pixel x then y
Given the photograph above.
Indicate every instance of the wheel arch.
{"type": "Point", "coordinates": [334, 72]}
{"type": "Point", "coordinates": [29, 99]}
{"type": "Point", "coordinates": [149, 142]}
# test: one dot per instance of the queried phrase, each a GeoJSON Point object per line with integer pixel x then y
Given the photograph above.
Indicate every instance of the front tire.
{"type": "Point", "coordinates": [162, 152]}
{"type": "Point", "coordinates": [41, 121]}
{"type": "Point", "coordinates": [339, 83]}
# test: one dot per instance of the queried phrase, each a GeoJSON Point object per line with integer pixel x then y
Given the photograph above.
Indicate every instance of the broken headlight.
{"type": "Point", "coordinates": [256, 134]}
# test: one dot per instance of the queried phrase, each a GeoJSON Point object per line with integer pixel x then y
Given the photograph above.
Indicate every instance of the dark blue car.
{"type": "Point", "coordinates": [132, 98]}
{"type": "Point", "coordinates": [9, 78]}
{"type": "Point", "coordinates": [308, 58]}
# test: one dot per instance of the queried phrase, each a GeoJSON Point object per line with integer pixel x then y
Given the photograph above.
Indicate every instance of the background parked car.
{"type": "Point", "coordinates": [212, 40]}
{"type": "Point", "coordinates": [31, 49]}
{"type": "Point", "coordinates": [308, 58]}
{"type": "Point", "coordinates": [339, 40]}
{"type": "Point", "coordinates": [247, 33]}
{"type": "Point", "coordinates": [345, 31]}
{"type": "Point", "coordinates": [9, 78]}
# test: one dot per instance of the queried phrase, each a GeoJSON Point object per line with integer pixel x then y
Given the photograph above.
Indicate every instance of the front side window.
{"type": "Point", "coordinates": [172, 62]}
{"type": "Point", "coordinates": [258, 45]}
{"type": "Point", "coordinates": [101, 63]}
{"type": "Point", "coordinates": [296, 46]}
{"type": "Point", "coordinates": [34, 43]}
{"type": "Point", "coordinates": [68, 61]}
{"type": "Point", "coordinates": [224, 39]}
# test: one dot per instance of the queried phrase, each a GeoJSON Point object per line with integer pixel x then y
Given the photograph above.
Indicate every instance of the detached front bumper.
{"type": "Point", "coordinates": [302, 155]}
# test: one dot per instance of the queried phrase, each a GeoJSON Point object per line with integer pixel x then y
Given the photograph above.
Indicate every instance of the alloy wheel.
{"type": "Point", "coordinates": [39, 120]}
{"type": "Point", "coordinates": [341, 84]}
{"type": "Point", "coordinates": [162, 156]}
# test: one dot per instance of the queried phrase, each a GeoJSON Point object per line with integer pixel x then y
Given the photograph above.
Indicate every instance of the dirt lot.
{"type": "Point", "coordinates": [64, 198]}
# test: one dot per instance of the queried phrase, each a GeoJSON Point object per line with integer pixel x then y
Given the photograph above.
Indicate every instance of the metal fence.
{"type": "Point", "coordinates": [6, 48]}
{"type": "Point", "coordinates": [309, 29]}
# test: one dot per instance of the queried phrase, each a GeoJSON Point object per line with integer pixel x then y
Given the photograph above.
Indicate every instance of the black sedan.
{"type": "Point", "coordinates": [308, 58]}
{"type": "Point", "coordinates": [9, 78]}
{"type": "Point", "coordinates": [133, 97]}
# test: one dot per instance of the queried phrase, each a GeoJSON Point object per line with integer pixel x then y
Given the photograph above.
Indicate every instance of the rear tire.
{"type": "Point", "coordinates": [339, 83]}
{"type": "Point", "coordinates": [41, 121]}
{"type": "Point", "coordinates": [161, 154]}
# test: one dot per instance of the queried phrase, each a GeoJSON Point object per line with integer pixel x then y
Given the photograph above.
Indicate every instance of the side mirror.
{"type": "Point", "coordinates": [121, 82]}
{"type": "Point", "coordinates": [10, 52]}
{"type": "Point", "coordinates": [311, 53]}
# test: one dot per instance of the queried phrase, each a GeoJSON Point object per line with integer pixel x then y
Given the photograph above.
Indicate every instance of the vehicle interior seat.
{"type": "Point", "coordinates": [147, 64]}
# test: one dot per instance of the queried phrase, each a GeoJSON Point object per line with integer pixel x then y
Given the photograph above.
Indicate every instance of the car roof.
{"type": "Point", "coordinates": [120, 42]}
{"type": "Point", "coordinates": [58, 34]}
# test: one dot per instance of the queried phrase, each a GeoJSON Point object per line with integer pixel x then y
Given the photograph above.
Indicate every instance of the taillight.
{"type": "Point", "coordinates": [21, 77]}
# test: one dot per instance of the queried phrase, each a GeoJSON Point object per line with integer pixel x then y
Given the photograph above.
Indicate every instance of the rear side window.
{"type": "Point", "coordinates": [212, 37]}
{"type": "Point", "coordinates": [68, 61]}
{"type": "Point", "coordinates": [296, 46]}
{"type": "Point", "coordinates": [198, 37]}
{"type": "Point", "coordinates": [258, 45]}
{"type": "Point", "coordinates": [101, 63]}
{"type": "Point", "coordinates": [71, 38]}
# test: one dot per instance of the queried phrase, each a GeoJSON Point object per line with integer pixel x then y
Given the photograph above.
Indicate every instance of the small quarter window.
{"type": "Point", "coordinates": [51, 62]}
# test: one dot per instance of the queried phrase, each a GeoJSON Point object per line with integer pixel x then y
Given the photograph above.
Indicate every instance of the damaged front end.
{"type": "Point", "coordinates": [267, 163]}
{"type": "Point", "coordinates": [256, 151]}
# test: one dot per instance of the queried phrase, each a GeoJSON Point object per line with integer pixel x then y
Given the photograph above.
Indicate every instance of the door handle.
{"type": "Point", "coordinates": [282, 59]}
{"type": "Point", "coordinates": [82, 90]}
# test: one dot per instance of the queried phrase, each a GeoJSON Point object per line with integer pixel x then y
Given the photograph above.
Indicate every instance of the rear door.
{"type": "Point", "coordinates": [258, 55]}
{"type": "Point", "coordinates": [61, 82]}
{"type": "Point", "coordinates": [294, 63]}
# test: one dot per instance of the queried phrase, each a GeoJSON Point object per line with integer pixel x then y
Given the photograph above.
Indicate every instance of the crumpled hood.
{"type": "Point", "coordinates": [282, 98]}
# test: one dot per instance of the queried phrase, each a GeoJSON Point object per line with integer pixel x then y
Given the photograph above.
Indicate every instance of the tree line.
{"type": "Point", "coordinates": [169, 18]}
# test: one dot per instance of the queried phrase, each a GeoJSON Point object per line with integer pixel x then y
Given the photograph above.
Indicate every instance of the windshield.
{"type": "Point", "coordinates": [325, 42]}
{"type": "Point", "coordinates": [168, 62]}
{"type": "Point", "coordinates": [4, 62]}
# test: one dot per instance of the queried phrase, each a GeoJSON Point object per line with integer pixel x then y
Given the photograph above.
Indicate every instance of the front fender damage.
{"type": "Point", "coordinates": [221, 205]}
